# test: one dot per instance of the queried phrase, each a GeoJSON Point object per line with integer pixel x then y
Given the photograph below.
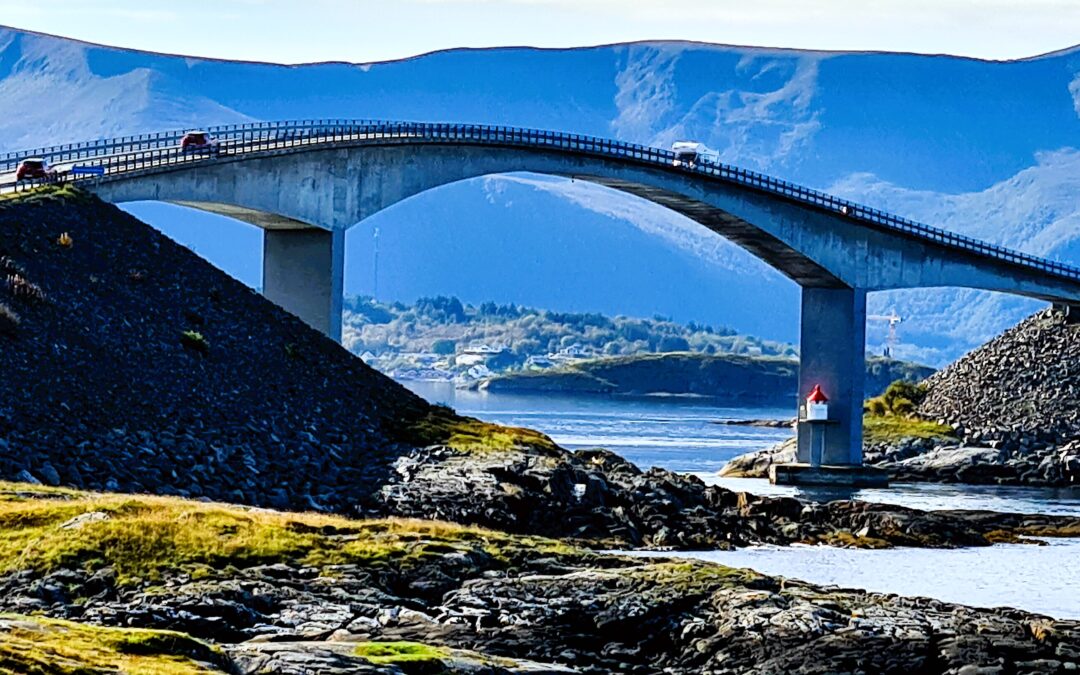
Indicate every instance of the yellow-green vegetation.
{"type": "Point", "coordinates": [39, 646]}
{"type": "Point", "coordinates": [900, 398]}
{"type": "Point", "coordinates": [893, 428]}
{"type": "Point", "coordinates": [891, 417]}
{"type": "Point", "coordinates": [42, 192]}
{"type": "Point", "coordinates": [142, 537]}
{"type": "Point", "coordinates": [401, 652]}
{"type": "Point", "coordinates": [441, 426]}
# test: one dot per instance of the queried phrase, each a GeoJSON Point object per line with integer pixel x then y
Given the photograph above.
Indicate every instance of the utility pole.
{"type": "Point", "coordinates": [375, 267]}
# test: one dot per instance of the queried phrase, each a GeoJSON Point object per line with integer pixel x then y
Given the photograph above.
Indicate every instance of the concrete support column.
{"type": "Point", "coordinates": [832, 354]}
{"type": "Point", "coordinates": [304, 273]}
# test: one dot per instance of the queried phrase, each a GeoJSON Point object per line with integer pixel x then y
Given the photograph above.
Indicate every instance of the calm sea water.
{"type": "Point", "coordinates": [681, 435]}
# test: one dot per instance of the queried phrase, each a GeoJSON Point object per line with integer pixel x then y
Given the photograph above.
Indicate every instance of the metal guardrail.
{"type": "Point", "coordinates": [149, 151]}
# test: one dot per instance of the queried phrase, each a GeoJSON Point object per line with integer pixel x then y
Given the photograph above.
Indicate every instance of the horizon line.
{"type": "Point", "coordinates": [519, 47]}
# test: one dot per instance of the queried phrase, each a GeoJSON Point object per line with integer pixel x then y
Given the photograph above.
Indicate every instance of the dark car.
{"type": "Point", "coordinates": [34, 168]}
{"type": "Point", "coordinates": [198, 141]}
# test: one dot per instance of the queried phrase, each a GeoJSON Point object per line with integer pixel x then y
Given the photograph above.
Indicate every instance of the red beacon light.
{"type": "Point", "coordinates": [817, 405]}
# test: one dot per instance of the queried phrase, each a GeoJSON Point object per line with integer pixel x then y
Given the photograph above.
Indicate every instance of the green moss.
{"type": "Point", "coordinates": [400, 652]}
{"type": "Point", "coordinates": [144, 537]}
{"type": "Point", "coordinates": [441, 426]}
{"type": "Point", "coordinates": [893, 428]}
{"type": "Point", "coordinates": [38, 646]}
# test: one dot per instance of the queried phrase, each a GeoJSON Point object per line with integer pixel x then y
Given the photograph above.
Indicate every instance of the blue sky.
{"type": "Point", "coordinates": [291, 31]}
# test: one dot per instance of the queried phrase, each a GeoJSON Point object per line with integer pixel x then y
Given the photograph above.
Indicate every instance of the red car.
{"type": "Point", "coordinates": [34, 168]}
{"type": "Point", "coordinates": [198, 141]}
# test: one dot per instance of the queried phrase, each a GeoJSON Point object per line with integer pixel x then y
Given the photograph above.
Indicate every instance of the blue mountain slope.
{"type": "Point", "coordinates": [981, 147]}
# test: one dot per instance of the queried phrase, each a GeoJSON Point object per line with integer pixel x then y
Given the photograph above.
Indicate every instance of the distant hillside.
{"type": "Point", "coordinates": [441, 337]}
{"type": "Point", "coordinates": [984, 148]}
{"type": "Point", "coordinates": [761, 379]}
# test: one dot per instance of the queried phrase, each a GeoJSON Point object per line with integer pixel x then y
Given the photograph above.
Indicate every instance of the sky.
{"type": "Point", "coordinates": [291, 31]}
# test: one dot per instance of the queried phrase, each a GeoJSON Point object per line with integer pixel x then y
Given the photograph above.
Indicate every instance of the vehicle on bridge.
{"type": "Point", "coordinates": [689, 153]}
{"type": "Point", "coordinates": [34, 168]}
{"type": "Point", "coordinates": [198, 141]}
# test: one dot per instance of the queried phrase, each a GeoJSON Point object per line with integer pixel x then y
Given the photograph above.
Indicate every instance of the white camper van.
{"type": "Point", "coordinates": [689, 153]}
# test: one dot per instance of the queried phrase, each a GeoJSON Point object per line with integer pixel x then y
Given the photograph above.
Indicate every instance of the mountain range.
{"type": "Point", "coordinates": [984, 148]}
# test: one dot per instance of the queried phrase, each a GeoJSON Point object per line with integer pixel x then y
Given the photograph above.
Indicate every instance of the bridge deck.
{"type": "Point", "coordinates": [152, 152]}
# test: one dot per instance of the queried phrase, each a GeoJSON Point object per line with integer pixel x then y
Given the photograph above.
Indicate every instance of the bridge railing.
{"type": "Point", "coordinates": [73, 152]}
{"type": "Point", "coordinates": [149, 151]}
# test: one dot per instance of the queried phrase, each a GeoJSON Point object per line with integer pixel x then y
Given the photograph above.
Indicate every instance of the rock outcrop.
{"type": "Point", "coordinates": [318, 595]}
{"type": "Point", "coordinates": [597, 498]}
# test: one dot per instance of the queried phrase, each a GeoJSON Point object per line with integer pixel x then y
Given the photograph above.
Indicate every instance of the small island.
{"type": "Point", "coordinates": [736, 377]}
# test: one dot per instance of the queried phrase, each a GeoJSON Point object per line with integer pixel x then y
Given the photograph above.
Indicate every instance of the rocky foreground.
{"type": "Point", "coordinates": [90, 581]}
{"type": "Point", "coordinates": [1013, 406]}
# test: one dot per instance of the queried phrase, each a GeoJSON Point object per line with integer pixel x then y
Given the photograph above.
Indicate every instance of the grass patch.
{"type": "Point", "coordinates": [891, 418]}
{"type": "Point", "coordinates": [382, 653]}
{"type": "Point", "coordinates": [63, 191]}
{"type": "Point", "coordinates": [144, 537]}
{"type": "Point", "coordinates": [441, 426]}
{"type": "Point", "coordinates": [893, 428]}
{"type": "Point", "coordinates": [39, 646]}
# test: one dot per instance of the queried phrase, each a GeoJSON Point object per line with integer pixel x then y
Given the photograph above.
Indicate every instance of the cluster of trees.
{"type": "Point", "coordinates": [446, 326]}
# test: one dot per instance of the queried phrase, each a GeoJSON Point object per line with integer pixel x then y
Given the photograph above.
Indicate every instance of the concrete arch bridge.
{"type": "Point", "coordinates": [306, 183]}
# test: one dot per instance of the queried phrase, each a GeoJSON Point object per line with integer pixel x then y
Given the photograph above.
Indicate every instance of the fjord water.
{"type": "Point", "coordinates": [682, 435]}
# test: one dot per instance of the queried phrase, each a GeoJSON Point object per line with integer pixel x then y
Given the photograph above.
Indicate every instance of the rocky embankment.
{"type": "Point", "coordinates": [242, 591]}
{"type": "Point", "coordinates": [134, 365]}
{"type": "Point", "coordinates": [1013, 405]}
{"type": "Point", "coordinates": [732, 377]}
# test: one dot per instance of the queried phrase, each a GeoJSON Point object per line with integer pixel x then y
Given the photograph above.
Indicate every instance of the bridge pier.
{"type": "Point", "coordinates": [304, 273]}
{"type": "Point", "coordinates": [832, 355]}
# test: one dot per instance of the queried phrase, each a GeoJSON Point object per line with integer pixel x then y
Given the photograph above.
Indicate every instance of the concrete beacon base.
{"type": "Point", "coordinates": [840, 476]}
